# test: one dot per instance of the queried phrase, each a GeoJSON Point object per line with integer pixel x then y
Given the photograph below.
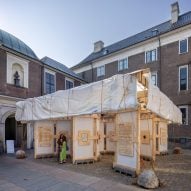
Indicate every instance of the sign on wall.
{"type": "Point", "coordinates": [10, 146]}
{"type": "Point", "coordinates": [83, 137]}
{"type": "Point", "coordinates": [145, 137]}
{"type": "Point", "coordinates": [45, 137]}
{"type": "Point", "coordinates": [125, 139]}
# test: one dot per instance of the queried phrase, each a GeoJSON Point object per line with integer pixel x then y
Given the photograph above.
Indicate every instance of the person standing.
{"type": "Point", "coordinates": [62, 148]}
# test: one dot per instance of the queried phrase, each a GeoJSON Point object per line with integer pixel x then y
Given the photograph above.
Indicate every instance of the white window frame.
{"type": "Point", "coordinates": [156, 74]}
{"type": "Point", "coordinates": [50, 72]}
{"type": "Point", "coordinates": [186, 47]}
{"type": "Point", "coordinates": [180, 67]}
{"type": "Point", "coordinates": [103, 71]}
{"type": "Point", "coordinates": [123, 65]}
{"type": "Point", "coordinates": [70, 80]}
{"type": "Point", "coordinates": [185, 107]}
{"type": "Point", "coordinates": [150, 51]}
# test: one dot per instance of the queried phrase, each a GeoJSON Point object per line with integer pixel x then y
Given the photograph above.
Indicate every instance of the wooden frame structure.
{"type": "Point", "coordinates": [133, 132]}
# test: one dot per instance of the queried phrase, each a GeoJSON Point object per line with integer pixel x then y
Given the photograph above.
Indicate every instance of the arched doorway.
{"type": "Point", "coordinates": [10, 128]}
{"type": "Point", "coordinates": [15, 131]}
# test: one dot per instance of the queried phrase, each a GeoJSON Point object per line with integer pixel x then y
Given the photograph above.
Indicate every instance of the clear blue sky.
{"type": "Point", "coordinates": [65, 30]}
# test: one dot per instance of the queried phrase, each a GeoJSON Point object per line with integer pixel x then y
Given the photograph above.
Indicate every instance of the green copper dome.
{"type": "Point", "coordinates": [12, 42]}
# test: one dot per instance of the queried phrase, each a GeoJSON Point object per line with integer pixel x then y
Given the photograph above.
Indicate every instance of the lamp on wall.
{"type": "Point", "coordinates": [16, 79]}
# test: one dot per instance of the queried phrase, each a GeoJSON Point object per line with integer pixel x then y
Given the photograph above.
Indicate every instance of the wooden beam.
{"type": "Point", "coordinates": [138, 143]}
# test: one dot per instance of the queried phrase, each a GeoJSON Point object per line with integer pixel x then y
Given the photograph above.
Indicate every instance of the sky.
{"type": "Point", "coordinates": [66, 30]}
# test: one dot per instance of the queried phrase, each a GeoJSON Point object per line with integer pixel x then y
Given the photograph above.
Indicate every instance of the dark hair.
{"type": "Point", "coordinates": [62, 136]}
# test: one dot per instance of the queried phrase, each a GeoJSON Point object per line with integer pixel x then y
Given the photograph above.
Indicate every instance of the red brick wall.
{"type": "Point", "coordinates": [34, 80]}
{"type": "Point", "coordinates": [3, 71]}
{"type": "Point", "coordinates": [60, 81]}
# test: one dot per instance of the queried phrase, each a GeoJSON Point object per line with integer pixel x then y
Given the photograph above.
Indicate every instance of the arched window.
{"type": "Point", "coordinates": [17, 75]}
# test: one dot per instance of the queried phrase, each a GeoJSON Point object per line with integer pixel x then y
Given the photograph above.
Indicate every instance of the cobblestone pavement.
{"type": "Point", "coordinates": [174, 172]}
{"type": "Point", "coordinates": [22, 175]}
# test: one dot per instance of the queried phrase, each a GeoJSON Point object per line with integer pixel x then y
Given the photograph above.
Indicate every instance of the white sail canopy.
{"type": "Point", "coordinates": [110, 95]}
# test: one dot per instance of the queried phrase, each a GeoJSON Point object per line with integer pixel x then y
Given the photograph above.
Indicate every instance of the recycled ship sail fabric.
{"type": "Point", "coordinates": [110, 95]}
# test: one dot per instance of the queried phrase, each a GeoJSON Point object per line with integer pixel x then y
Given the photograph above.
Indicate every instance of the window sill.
{"type": "Point", "coordinates": [184, 92]}
{"type": "Point", "coordinates": [20, 87]}
{"type": "Point", "coordinates": [100, 76]}
{"type": "Point", "coordinates": [182, 53]}
{"type": "Point", "coordinates": [151, 62]}
{"type": "Point", "coordinates": [123, 70]}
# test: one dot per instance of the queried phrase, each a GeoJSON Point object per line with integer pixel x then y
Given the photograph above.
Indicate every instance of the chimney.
{"type": "Point", "coordinates": [98, 46]}
{"type": "Point", "coordinates": [174, 12]}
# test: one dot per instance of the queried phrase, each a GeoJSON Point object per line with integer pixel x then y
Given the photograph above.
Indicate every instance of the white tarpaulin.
{"type": "Point", "coordinates": [110, 95]}
{"type": "Point", "coordinates": [161, 105]}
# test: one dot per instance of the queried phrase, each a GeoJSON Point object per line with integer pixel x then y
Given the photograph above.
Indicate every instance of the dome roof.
{"type": "Point", "coordinates": [12, 42]}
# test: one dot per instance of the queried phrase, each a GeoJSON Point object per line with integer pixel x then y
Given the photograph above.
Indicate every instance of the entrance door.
{"type": "Point", "coordinates": [16, 131]}
{"type": "Point", "coordinates": [10, 129]}
{"type": "Point", "coordinates": [107, 130]}
{"type": "Point", "coordinates": [109, 133]}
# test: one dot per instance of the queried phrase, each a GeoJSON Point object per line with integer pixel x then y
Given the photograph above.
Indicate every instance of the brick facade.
{"type": "Point", "coordinates": [60, 81]}
{"type": "Point", "coordinates": [3, 71]}
{"type": "Point", "coordinates": [167, 68]}
{"type": "Point", "coordinates": [36, 80]}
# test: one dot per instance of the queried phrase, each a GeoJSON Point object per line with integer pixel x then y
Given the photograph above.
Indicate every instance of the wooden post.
{"type": "Point", "coordinates": [74, 139]}
{"type": "Point", "coordinates": [35, 140]}
{"type": "Point", "coordinates": [94, 140]}
{"type": "Point", "coordinates": [116, 131]}
{"type": "Point", "coordinates": [153, 139]}
{"type": "Point", "coordinates": [138, 142]}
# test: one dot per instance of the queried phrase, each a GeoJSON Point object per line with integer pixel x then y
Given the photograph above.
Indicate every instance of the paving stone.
{"type": "Point", "coordinates": [174, 172]}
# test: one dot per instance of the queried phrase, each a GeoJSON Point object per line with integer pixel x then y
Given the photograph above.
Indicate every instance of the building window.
{"type": "Point", "coordinates": [122, 64]}
{"type": "Point", "coordinates": [151, 56]}
{"type": "Point", "coordinates": [69, 84]}
{"type": "Point", "coordinates": [154, 78]}
{"type": "Point", "coordinates": [155, 32]}
{"type": "Point", "coordinates": [100, 71]}
{"type": "Point", "coordinates": [49, 83]}
{"type": "Point", "coordinates": [184, 110]}
{"type": "Point", "coordinates": [183, 78]}
{"type": "Point", "coordinates": [183, 46]}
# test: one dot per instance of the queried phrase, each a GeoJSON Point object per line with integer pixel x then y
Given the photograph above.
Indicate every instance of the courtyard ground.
{"type": "Point", "coordinates": [174, 172]}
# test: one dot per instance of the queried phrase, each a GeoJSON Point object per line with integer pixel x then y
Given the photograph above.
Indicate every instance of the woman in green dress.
{"type": "Point", "coordinates": [62, 148]}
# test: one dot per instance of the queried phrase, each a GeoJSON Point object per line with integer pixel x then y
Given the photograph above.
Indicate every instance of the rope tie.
{"type": "Point", "coordinates": [68, 102]}
{"type": "Point", "coordinates": [124, 91]}
{"type": "Point", "coordinates": [101, 95]}
{"type": "Point", "coordinates": [50, 106]}
{"type": "Point", "coordinates": [32, 108]}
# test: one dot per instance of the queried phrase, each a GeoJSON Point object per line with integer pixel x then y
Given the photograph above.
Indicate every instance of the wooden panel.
{"type": "Point", "coordinates": [84, 138]}
{"type": "Point", "coordinates": [112, 136]}
{"type": "Point", "coordinates": [45, 137]}
{"type": "Point", "coordinates": [145, 137]}
{"type": "Point", "coordinates": [163, 136]}
{"type": "Point", "coordinates": [125, 139]}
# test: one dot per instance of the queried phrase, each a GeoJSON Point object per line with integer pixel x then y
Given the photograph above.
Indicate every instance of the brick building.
{"type": "Point", "coordinates": [164, 48]}
{"type": "Point", "coordinates": [23, 75]}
